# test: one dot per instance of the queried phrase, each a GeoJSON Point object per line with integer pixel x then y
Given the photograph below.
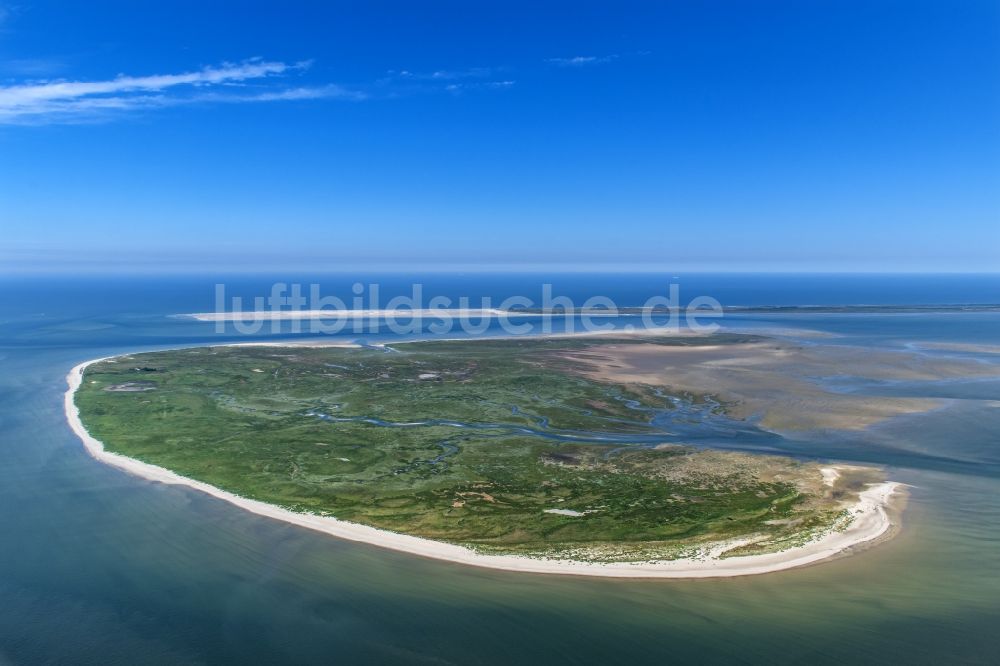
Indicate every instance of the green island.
{"type": "Point", "coordinates": [497, 445]}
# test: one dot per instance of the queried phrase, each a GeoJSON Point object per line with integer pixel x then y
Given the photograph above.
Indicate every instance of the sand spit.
{"type": "Point", "coordinates": [398, 313]}
{"type": "Point", "coordinates": [870, 522]}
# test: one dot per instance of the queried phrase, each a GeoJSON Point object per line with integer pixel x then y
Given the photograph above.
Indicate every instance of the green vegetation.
{"type": "Point", "coordinates": [467, 442]}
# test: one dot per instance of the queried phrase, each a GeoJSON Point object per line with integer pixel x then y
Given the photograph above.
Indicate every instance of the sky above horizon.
{"type": "Point", "coordinates": [764, 136]}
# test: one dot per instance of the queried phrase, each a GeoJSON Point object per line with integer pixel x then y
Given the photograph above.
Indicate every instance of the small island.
{"type": "Point", "coordinates": [516, 454]}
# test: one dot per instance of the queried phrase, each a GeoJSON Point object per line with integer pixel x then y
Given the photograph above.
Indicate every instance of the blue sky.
{"type": "Point", "coordinates": [782, 136]}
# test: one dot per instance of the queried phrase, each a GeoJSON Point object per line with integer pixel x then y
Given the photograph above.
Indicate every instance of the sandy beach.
{"type": "Point", "coordinates": [870, 522]}
{"type": "Point", "coordinates": [399, 313]}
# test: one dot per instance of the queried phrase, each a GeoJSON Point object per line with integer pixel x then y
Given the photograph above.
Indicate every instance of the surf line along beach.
{"type": "Point", "coordinates": [870, 521]}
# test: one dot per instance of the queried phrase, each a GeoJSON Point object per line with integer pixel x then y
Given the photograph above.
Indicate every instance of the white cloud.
{"type": "Point", "coordinates": [471, 73]}
{"type": "Point", "coordinates": [441, 74]}
{"type": "Point", "coordinates": [408, 82]}
{"type": "Point", "coordinates": [579, 61]}
{"type": "Point", "coordinates": [330, 91]}
{"type": "Point", "coordinates": [478, 85]}
{"type": "Point", "coordinates": [62, 101]}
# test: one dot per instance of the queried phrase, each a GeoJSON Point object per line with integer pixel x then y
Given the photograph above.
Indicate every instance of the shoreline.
{"type": "Point", "coordinates": [871, 522]}
{"type": "Point", "coordinates": [401, 313]}
{"type": "Point", "coordinates": [317, 343]}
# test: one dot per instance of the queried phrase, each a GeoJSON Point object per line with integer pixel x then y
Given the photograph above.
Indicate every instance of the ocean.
{"type": "Point", "coordinates": [100, 567]}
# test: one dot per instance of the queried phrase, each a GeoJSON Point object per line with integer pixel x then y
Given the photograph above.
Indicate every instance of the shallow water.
{"type": "Point", "coordinates": [100, 567]}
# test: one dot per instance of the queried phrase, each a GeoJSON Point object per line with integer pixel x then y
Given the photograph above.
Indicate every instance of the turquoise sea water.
{"type": "Point", "coordinates": [100, 567]}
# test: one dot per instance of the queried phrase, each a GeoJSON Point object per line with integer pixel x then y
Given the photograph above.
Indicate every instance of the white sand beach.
{"type": "Point", "coordinates": [870, 522]}
{"type": "Point", "coordinates": [399, 313]}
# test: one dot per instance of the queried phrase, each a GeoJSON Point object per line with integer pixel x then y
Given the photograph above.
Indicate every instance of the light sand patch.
{"type": "Point", "coordinates": [959, 347]}
{"type": "Point", "coordinates": [399, 313]}
{"type": "Point", "coordinates": [830, 475]}
{"type": "Point", "coordinates": [304, 343]}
